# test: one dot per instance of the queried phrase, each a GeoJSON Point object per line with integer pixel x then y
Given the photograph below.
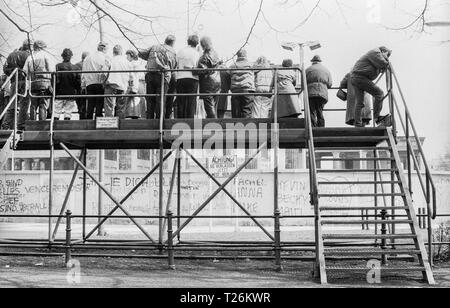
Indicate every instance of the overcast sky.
{"type": "Point", "coordinates": [345, 28]}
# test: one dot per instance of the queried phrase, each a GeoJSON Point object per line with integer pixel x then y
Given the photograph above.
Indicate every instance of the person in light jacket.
{"type": "Point", "coordinates": [288, 105]}
{"type": "Point", "coordinates": [263, 79]}
{"type": "Point", "coordinates": [187, 82]}
{"type": "Point", "coordinates": [319, 81]}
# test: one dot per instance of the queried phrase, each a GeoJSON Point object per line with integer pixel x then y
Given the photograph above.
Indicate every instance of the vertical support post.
{"type": "Point", "coordinates": [408, 154]}
{"type": "Point", "coordinates": [84, 196]}
{"type": "Point", "coordinates": [68, 235]}
{"type": "Point", "coordinates": [278, 241]}
{"type": "Point", "coordinates": [375, 188]}
{"type": "Point", "coordinates": [393, 226]}
{"type": "Point", "coordinates": [383, 232]}
{"type": "Point", "coordinates": [170, 250]}
{"type": "Point", "coordinates": [390, 86]}
{"type": "Point", "coordinates": [52, 163]}
{"type": "Point", "coordinates": [179, 193]}
{"type": "Point", "coordinates": [161, 158]}
{"type": "Point", "coordinates": [16, 106]}
{"type": "Point", "coordinates": [430, 226]}
{"type": "Point", "coordinates": [101, 177]}
{"type": "Point", "coordinates": [275, 146]}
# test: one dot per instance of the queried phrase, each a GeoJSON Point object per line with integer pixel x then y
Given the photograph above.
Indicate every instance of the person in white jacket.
{"type": "Point", "coordinates": [94, 82]}
{"type": "Point", "coordinates": [187, 83]}
{"type": "Point", "coordinates": [117, 83]}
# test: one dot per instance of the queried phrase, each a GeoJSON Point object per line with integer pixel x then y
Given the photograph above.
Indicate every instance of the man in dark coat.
{"type": "Point", "coordinates": [319, 81]}
{"type": "Point", "coordinates": [159, 57]}
{"type": "Point", "coordinates": [15, 60]}
{"type": "Point", "coordinates": [66, 84]}
{"type": "Point", "coordinates": [365, 71]}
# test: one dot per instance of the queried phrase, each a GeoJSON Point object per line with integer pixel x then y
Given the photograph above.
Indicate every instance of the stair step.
{"type": "Point", "coordinates": [373, 251]}
{"type": "Point", "coordinates": [360, 195]}
{"type": "Point", "coordinates": [354, 159]}
{"type": "Point", "coordinates": [368, 236]}
{"type": "Point", "coordinates": [351, 139]}
{"type": "Point", "coordinates": [366, 222]}
{"type": "Point", "coordinates": [360, 183]}
{"type": "Point", "coordinates": [354, 170]}
{"type": "Point", "coordinates": [366, 208]}
{"type": "Point", "coordinates": [352, 149]}
{"type": "Point", "coordinates": [393, 268]}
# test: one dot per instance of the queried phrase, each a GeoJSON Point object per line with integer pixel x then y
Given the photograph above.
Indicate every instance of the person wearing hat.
{"type": "Point", "coordinates": [94, 83]}
{"type": "Point", "coordinates": [66, 84]}
{"type": "Point", "coordinates": [365, 71]}
{"type": "Point", "coordinates": [319, 80]}
{"type": "Point", "coordinates": [15, 60]}
{"type": "Point", "coordinates": [81, 102]}
{"type": "Point", "coordinates": [38, 67]}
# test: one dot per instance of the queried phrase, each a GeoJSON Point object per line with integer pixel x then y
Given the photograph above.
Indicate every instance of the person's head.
{"type": "Point", "coordinates": [39, 45]}
{"type": "Point", "coordinates": [132, 55]}
{"type": "Point", "coordinates": [287, 63]}
{"type": "Point", "coordinates": [193, 41]}
{"type": "Point", "coordinates": [386, 51]}
{"type": "Point", "coordinates": [117, 50]}
{"type": "Point", "coordinates": [102, 47]}
{"type": "Point", "coordinates": [206, 43]}
{"type": "Point", "coordinates": [27, 44]}
{"type": "Point", "coordinates": [67, 55]}
{"type": "Point", "coordinates": [316, 59]}
{"type": "Point", "coordinates": [242, 54]}
{"type": "Point", "coordinates": [170, 40]}
{"type": "Point", "coordinates": [84, 55]}
{"type": "Point", "coordinates": [262, 61]}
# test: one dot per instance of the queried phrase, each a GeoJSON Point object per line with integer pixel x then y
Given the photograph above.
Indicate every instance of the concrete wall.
{"type": "Point", "coordinates": [27, 193]}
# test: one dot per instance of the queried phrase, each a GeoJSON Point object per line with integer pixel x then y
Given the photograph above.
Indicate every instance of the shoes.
{"type": "Point", "coordinates": [384, 121]}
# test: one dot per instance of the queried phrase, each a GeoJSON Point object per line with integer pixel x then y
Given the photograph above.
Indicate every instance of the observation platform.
{"type": "Point", "coordinates": [145, 134]}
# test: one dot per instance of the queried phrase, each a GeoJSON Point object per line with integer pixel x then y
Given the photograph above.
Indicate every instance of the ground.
{"type": "Point", "coordinates": [129, 273]}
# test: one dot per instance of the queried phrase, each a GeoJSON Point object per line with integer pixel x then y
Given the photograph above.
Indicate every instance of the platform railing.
{"type": "Point", "coordinates": [409, 129]}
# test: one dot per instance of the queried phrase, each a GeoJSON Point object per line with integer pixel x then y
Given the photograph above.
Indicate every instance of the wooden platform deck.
{"type": "Point", "coordinates": [145, 134]}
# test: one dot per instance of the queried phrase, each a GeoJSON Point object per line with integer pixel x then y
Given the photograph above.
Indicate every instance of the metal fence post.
{"type": "Point", "coordinates": [278, 241]}
{"type": "Point", "coordinates": [170, 251]}
{"type": "Point", "coordinates": [68, 235]}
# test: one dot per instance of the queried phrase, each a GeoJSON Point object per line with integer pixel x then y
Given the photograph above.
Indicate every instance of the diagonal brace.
{"type": "Point", "coordinates": [118, 204]}
{"type": "Point", "coordinates": [222, 186]}
{"type": "Point", "coordinates": [230, 195]}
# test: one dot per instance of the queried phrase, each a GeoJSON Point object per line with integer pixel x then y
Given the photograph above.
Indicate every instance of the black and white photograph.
{"type": "Point", "coordinates": [225, 150]}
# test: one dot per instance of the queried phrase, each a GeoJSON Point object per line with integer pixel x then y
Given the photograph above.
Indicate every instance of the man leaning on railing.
{"type": "Point", "coordinates": [16, 60]}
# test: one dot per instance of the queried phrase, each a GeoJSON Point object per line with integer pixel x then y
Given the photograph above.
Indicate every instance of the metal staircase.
{"type": "Point", "coordinates": [395, 228]}
{"type": "Point", "coordinates": [391, 230]}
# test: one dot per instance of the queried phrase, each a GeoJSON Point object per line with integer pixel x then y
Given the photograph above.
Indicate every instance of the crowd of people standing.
{"type": "Point", "coordinates": [113, 84]}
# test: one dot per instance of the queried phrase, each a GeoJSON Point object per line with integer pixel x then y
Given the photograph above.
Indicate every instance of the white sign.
{"type": "Point", "coordinates": [223, 166]}
{"type": "Point", "coordinates": [107, 123]}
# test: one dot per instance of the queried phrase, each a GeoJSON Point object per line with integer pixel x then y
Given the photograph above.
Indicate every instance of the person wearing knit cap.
{"type": "Point", "coordinates": [66, 84]}
{"type": "Point", "coordinates": [242, 81]}
{"type": "Point", "coordinates": [39, 66]}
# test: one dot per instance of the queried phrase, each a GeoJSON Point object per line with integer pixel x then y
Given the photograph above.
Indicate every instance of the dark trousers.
{"type": "Point", "coordinates": [316, 105]}
{"type": "Point", "coordinates": [81, 105]}
{"type": "Point", "coordinates": [95, 104]}
{"type": "Point", "coordinates": [363, 84]}
{"type": "Point", "coordinates": [241, 106]}
{"type": "Point", "coordinates": [154, 102]}
{"type": "Point", "coordinates": [23, 105]}
{"type": "Point", "coordinates": [210, 104]}
{"type": "Point", "coordinates": [170, 99]}
{"type": "Point", "coordinates": [186, 105]}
